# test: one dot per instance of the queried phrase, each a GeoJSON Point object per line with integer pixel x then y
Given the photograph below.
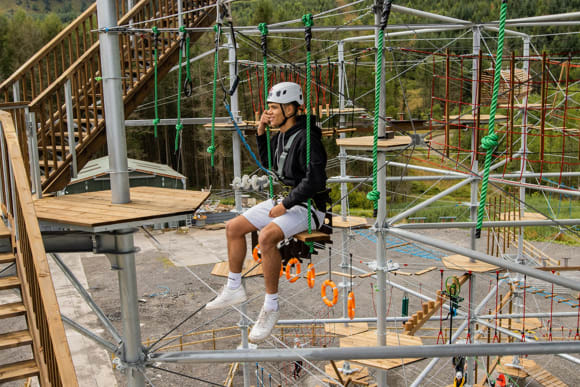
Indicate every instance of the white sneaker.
{"type": "Point", "coordinates": [264, 325]}
{"type": "Point", "coordinates": [228, 297]}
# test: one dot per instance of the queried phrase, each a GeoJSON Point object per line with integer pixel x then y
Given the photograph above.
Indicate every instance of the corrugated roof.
{"type": "Point", "coordinates": [100, 167]}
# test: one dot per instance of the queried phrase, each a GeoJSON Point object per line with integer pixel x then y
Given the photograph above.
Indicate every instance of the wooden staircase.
{"type": "Point", "coordinates": [72, 60]}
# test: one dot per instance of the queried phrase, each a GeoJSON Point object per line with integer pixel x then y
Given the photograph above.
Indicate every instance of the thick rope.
{"type": "Point", "coordinates": [308, 22]}
{"type": "Point", "coordinates": [156, 59]}
{"type": "Point", "coordinates": [211, 148]}
{"type": "Point", "coordinates": [489, 142]}
{"type": "Point", "coordinates": [264, 30]}
{"type": "Point", "coordinates": [375, 195]}
{"type": "Point", "coordinates": [188, 84]}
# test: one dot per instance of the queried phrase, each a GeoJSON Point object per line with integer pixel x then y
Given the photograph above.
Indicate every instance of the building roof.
{"type": "Point", "coordinates": [100, 167]}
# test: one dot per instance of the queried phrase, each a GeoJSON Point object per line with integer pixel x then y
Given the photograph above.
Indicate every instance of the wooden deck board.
{"type": "Point", "coordinates": [19, 370]}
{"type": "Point", "coordinates": [4, 231]}
{"type": "Point", "coordinates": [369, 339]}
{"type": "Point", "coordinates": [366, 142]}
{"type": "Point", "coordinates": [92, 209]}
{"type": "Point", "coordinates": [461, 262]}
{"type": "Point", "coordinates": [350, 222]}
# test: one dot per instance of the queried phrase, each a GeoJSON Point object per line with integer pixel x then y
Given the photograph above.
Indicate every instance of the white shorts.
{"type": "Point", "coordinates": [294, 221]}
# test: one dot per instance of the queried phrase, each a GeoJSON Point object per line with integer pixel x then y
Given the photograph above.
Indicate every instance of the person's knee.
{"type": "Point", "coordinates": [234, 229]}
{"type": "Point", "coordinates": [269, 238]}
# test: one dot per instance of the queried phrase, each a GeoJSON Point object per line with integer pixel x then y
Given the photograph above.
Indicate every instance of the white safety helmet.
{"type": "Point", "coordinates": [286, 92]}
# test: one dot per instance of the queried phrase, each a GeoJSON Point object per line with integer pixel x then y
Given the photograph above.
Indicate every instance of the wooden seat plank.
{"type": "Point", "coordinates": [316, 236]}
{"type": "Point", "coordinates": [18, 370]}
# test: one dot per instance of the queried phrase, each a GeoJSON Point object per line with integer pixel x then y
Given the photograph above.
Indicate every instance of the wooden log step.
{"type": "Point", "coordinates": [7, 258]}
{"type": "Point", "coordinates": [15, 339]}
{"type": "Point", "coordinates": [12, 310]}
{"type": "Point", "coordinates": [9, 282]}
{"type": "Point", "coordinates": [18, 370]}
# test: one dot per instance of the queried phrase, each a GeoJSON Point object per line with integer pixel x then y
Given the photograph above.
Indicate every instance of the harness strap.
{"type": "Point", "coordinates": [284, 155]}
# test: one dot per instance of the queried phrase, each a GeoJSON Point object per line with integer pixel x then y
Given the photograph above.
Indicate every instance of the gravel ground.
{"type": "Point", "coordinates": [171, 293]}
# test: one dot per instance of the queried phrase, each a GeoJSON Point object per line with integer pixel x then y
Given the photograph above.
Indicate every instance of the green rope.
{"type": "Point", "coordinates": [489, 142]}
{"type": "Point", "coordinates": [179, 125]}
{"type": "Point", "coordinates": [308, 22]}
{"type": "Point", "coordinates": [211, 148]}
{"type": "Point", "coordinates": [374, 195]}
{"type": "Point", "coordinates": [155, 63]}
{"type": "Point", "coordinates": [264, 30]}
{"type": "Point", "coordinates": [187, 64]}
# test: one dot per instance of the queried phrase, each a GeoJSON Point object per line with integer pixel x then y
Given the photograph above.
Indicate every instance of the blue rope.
{"type": "Point", "coordinates": [244, 140]}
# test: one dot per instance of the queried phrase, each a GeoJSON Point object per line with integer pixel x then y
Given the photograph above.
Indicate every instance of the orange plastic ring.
{"type": "Point", "coordinates": [332, 285]}
{"type": "Point", "coordinates": [289, 276]}
{"type": "Point", "coordinates": [310, 276]}
{"type": "Point", "coordinates": [257, 254]}
{"type": "Point", "coordinates": [351, 305]}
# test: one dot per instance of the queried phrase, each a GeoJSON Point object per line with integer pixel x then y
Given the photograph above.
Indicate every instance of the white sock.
{"type": "Point", "coordinates": [234, 280]}
{"type": "Point", "coordinates": [271, 302]}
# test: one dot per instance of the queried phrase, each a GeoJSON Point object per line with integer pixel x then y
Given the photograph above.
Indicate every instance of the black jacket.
{"type": "Point", "coordinates": [305, 184]}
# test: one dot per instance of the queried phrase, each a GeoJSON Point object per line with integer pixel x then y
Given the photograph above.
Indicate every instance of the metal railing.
{"type": "Point", "coordinates": [50, 345]}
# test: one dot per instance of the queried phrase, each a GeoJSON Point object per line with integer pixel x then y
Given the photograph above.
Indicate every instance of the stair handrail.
{"type": "Point", "coordinates": [47, 49]}
{"type": "Point", "coordinates": [50, 344]}
{"type": "Point", "coordinates": [93, 50]}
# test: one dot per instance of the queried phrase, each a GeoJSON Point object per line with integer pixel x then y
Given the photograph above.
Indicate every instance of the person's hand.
{"type": "Point", "coordinates": [264, 121]}
{"type": "Point", "coordinates": [277, 210]}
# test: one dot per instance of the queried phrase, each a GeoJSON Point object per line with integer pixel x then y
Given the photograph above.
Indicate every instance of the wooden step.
{"type": "Point", "coordinates": [19, 370]}
{"type": "Point", "coordinates": [9, 282]}
{"type": "Point", "coordinates": [7, 258]}
{"type": "Point", "coordinates": [15, 339]}
{"type": "Point", "coordinates": [12, 310]}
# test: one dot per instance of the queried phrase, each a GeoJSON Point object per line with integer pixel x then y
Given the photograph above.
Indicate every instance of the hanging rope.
{"type": "Point", "coordinates": [264, 30]}
{"type": "Point", "coordinates": [551, 310]}
{"type": "Point", "coordinates": [440, 334]}
{"type": "Point", "coordinates": [577, 337]}
{"type": "Point", "coordinates": [524, 310]}
{"type": "Point", "coordinates": [156, 121]}
{"type": "Point", "coordinates": [179, 125]}
{"type": "Point", "coordinates": [188, 84]}
{"type": "Point", "coordinates": [495, 337]}
{"type": "Point", "coordinates": [468, 337]}
{"type": "Point", "coordinates": [375, 195]}
{"type": "Point", "coordinates": [308, 22]}
{"type": "Point", "coordinates": [211, 148]}
{"type": "Point", "coordinates": [489, 142]}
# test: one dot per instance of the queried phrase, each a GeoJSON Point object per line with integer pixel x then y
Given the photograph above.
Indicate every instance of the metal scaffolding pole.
{"type": "Point", "coordinates": [517, 268]}
{"type": "Point", "coordinates": [236, 144]}
{"type": "Point", "coordinates": [494, 223]}
{"type": "Point", "coordinates": [393, 352]}
{"type": "Point", "coordinates": [122, 247]}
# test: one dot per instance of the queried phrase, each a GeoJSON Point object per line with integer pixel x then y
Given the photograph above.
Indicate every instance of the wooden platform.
{"type": "Point", "coordinates": [369, 339]}
{"type": "Point", "coordinates": [229, 126]}
{"type": "Point", "coordinates": [93, 210]}
{"type": "Point", "coordinates": [366, 143]}
{"type": "Point", "coordinates": [346, 330]}
{"type": "Point", "coordinates": [463, 263]}
{"type": "Point", "coordinates": [222, 269]}
{"type": "Point", "coordinates": [350, 222]}
{"type": "Point", "coordinates": [359, 376]}
{"type": "Point", "coordinates": [517, 372]}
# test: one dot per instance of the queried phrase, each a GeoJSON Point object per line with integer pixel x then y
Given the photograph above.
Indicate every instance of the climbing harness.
{"type": "Point", "coordinates": [459, 378]}
{"type": "Point", "coordinates": [188, 84]}
{"type": "Point", "coordinates": [332, 285]}
{"type": "Point", "coordinates": [489, 142]}
{"type": "Point", "coordinates": [282, 157]}
{"type": "Point", "coordinates": [452, 290]}
{"type": "Point", "coordinates": [289, 276]}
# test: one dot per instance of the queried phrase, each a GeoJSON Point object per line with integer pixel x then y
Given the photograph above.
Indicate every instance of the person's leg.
{"type": "Point", "coordinates": [269, 238]}
{"type": "Point", "coordinates": [233, 292]}
{"type": "Point", "coordinates": [236, 230]}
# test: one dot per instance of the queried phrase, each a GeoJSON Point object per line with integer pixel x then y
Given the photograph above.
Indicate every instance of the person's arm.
{"type": "Point", "coordinates": [315, 179]}
{"type": "Point", "coordinates": [261, 138]}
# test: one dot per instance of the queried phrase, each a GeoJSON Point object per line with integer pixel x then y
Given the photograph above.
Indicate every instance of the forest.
{"type": "Point", "coordinates": [28, 25]}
